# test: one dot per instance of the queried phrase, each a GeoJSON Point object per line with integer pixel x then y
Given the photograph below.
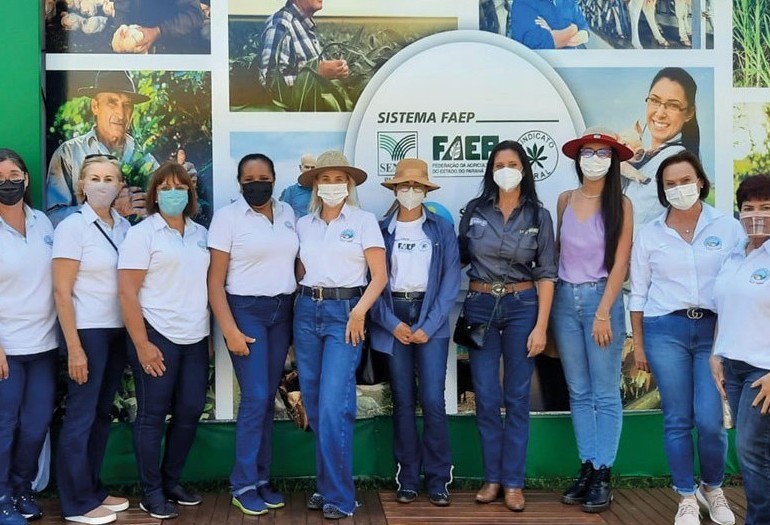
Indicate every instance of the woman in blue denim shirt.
{"type": "Point", "coordinates": [509, 246]}
{"type": "Point", "coordinates": [410, 322]}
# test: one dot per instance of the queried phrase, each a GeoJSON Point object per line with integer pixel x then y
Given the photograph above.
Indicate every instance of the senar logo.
{"type": "Point", "coordinates": [712, 242]}
{"type": "Point", "coordinates": [347, 235]}
{"type": "Point", "coordinates": [760, 276]}
{"type": "Point", "coordinates": [392, 147]}
{"type": "Point", "coordinates": [542, 152]}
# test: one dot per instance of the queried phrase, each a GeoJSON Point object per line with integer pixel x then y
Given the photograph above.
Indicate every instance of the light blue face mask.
{"type": "Point", "coordinates": [172, 202]}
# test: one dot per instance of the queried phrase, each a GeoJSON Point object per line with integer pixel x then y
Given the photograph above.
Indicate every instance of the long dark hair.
{"type": "Point", "coordinates": [489, 188]}
{"type": "Point", "coordinates": [612, 208]}
{"type": "Point", "coordinates": [9, 154]}
{"type": "Point", "coordinates": [690, 129]}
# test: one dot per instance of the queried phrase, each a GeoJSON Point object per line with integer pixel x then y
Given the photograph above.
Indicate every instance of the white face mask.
{"type": "Point", "coordinates": [410, 198]}
{"type": "Point", "coordinates": [507, 179]}
{"type": "Point", "coordinates": [756, 223]}
{"type": "Point", "coordinates": [594, 168]}
{"type": "Point", "coordinates": [683, 197]}
{"type": "Point", "coordinates": [100, 194]}
{"type": "Point", "coordinates": [332, 194]}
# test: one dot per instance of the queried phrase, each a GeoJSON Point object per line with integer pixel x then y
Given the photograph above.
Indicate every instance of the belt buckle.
{"type": "Point", "coordinates": [497, 289]}
{"type": "Point", "coordinates": [319, 296]}
{"type": "Point", "coordinates": [694, 313]}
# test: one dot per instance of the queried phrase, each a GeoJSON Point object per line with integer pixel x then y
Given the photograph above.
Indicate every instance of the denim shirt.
{"type": "Point", "coordinates": [442, 290]}
{"type": "Point", "coordinates": [558, 14]}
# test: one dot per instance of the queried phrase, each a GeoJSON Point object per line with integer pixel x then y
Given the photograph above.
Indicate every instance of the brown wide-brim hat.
{"type": "Point", "coordinates": [331, 160]}
{"type": "Point", "coordinates": [411, 170]}
{"type": "Point", "coordinates": [597, 134]}
{"type": "Point", "coordinates": [114, 82]}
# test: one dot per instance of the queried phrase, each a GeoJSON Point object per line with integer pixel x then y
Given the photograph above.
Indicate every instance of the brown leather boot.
{"type": "Point", "coordinates": [488, 493]}
{"type": "Point", "coordinates": [514, 499]}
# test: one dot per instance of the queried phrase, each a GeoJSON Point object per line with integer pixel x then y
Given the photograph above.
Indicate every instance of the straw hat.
{"type": "Point", "coordinates": [597, 134]}
{"type": "Point", "coordinates": [411, 170]}
{"type": "Point", "coordinates": [331, 160]}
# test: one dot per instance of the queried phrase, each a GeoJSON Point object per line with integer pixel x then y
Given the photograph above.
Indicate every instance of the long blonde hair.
{"type": "Point", "coordinates": [316, 203]}
{"type": "Point", "coordinates": [79, 193]}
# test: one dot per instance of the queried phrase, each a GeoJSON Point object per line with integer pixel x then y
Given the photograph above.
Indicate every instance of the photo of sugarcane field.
{"type": "Point", "coordinates": [751, 33]}
{"type": "Point", "coordinates": [364, 44]}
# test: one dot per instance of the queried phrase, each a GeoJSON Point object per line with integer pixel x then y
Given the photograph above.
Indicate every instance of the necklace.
{"type": "Point", "coordinates": [584, 194]}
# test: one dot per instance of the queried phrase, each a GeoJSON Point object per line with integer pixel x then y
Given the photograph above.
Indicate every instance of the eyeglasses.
{"type": "Point", "coordinates": [655, 103]}
{"type": "Point", "coordinates": [405, 187]}
{"type": "Point", "coordinates": [12, 180]}
{"type": "Point", "coordinates": [604, 153]}
{"type": "Point", "coordinates": [101, 155]}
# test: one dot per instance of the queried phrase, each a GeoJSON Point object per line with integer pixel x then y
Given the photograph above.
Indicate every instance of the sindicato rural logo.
{"type": "Point", "coordinates": [542, 152]}
{"type": "Point", "coordinates": [392, 147]}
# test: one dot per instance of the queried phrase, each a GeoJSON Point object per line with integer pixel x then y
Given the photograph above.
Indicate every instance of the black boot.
{"type": "Point", "coordinates": [599, 495]}
{"type": "Point", "coordinates": [576, 492]}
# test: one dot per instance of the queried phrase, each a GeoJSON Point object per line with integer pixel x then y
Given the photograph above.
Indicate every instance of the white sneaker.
{"type": "Point", "coordinates": [715, 502]}
{"type": "Point", "coordinates": [115, 503]}
{"type": "Point", "coordinates": [688, 513]}
{"type": "Point", "coordinates": [98, 516]}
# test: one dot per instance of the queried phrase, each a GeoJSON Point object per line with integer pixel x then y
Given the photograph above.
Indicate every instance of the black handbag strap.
{"type": "Point", "coordinates": [101, 230]}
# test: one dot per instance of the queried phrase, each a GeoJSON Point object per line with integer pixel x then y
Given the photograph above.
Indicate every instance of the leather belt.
{"type": "Point", "coordinates": [319, 293]}
{"type": "Point", "coordinates": [500, 289]}
{"type": "Point", "coordinates": [409, 296]}
{"type": "Point", "coordinates": [694, 313]}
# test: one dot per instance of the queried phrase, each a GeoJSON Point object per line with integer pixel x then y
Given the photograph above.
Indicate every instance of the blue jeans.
{"type": "Point", "coordinates": [321, 352]}
{"type": "Point", "coordinates": [26, 407]}
{"type": "Point", "coordinates": [752, 438]}
{"type": "Point", "coordinates": [432, 454]}
{"type": "Point", "coordinates": [181, 392]}
{"type": "Point", "coordinates": [592, 371]}
{"type": "Point", "coordinates": [268, 320]}
{"type": "Point", "coordinates": [86, 426]}
{"type": "Point", "coordinates": [503, 442]}
{"type": "Point", "coordinates": [678, 350]}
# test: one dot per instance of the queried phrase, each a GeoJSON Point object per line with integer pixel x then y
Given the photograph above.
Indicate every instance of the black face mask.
{"type": "Point", "coordinates": [11, 192]}
{"type": "Point", "coordinates": [258, 192]}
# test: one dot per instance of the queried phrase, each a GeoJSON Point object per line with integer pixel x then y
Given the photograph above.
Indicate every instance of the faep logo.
{"type": "Point", "coordinates": [542, 152]}
{"type": "Point", "coordinates": [392, 147]}
{"type": "Point", "coordinates": [470, 147]}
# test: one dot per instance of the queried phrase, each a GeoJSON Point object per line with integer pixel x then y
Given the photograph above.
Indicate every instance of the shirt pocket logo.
{"type": "Point", "coordinates": [289, 225]}
{"type": "Point", "coordinates": [712, 243]}
{"type": "Point", "coordinates": [424, 246]}
{"type": "Point", "coordinates": [760, 276]}
{"type": "Point", "coordinates": [48, 239]}
{"type": "Point", "coordinates": [202, 245]}
{"type": "Point", "coordinates": [347, 235]}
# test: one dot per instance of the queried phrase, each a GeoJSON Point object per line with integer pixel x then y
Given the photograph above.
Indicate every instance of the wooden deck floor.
{"type": "Point", "coordinates": [631, 507]}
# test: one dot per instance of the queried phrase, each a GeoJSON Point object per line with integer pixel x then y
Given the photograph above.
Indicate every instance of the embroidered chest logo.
{"type": "Point", "coordinates": [712, 243]}
{"type": "Point", "coordinates": [424, 245]}
{"type": "Point", "coordinates": [289, 225]}
{"type": "Point", "coordinates": [347, 235]}
{"type": "Point", "coordinates": [48, 240]}
{"type": "Point", "coordinates": [760, 276]}
{"type": "Point", "coordinates": [202, 245]}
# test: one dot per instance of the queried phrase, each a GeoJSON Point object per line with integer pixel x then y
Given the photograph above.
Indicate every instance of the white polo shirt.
{"type": "Point", "coordinates": [27, 312]}
{"type": "Point", "coordinates": [95, 293]}
{"type": "Point", "coordinates": [410, 260]}
{"type": "Point", "coordinates": [174, 297]}
{"type": "Point", "coordinates": [333, 254]}
{"type": "Point", "coordinates": [262, 253]}
{"type": "Point", "coordinates": [669, 274]}
{"type": "Point", "coordinates": [742, 295]}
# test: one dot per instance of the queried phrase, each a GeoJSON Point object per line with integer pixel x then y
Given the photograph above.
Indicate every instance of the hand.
{"type": "Point", "coordinates": [131, 201]}
{"type": "Point", "coordinates": [536, 341]}
{"type": "Point", "coordinates": [77, 364]}
{"type": "Point", "coordinates": [640, 360]}
{"type": "Point", "coordinates": [332, 69]}
{"type": "Point", "coordinates": [151, 34]}
{"type": "Point", "coordinates": [354, 331]}
{"type": "Point", "coordinates": [402, 333]}
{"type": "Point", "coordinates": [151, 359]}
{"type": "Point", "coordinates": [602, 331]}
{"type": "Point", "coordinates": [718, 371]}
{"type": "Point", "coordinates": [540, 21]}
{"type": "Point", "coordinates": [4, 368]}
{"type": "Point", "coordinates": [419, 337]}
{"type": "Point", "coordinates": [763, 384]}
{"type": "Point", "coordinates": [237, 343]}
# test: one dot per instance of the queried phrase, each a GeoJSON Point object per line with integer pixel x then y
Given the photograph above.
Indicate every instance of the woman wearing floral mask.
{"type": "Point", "coordinates": [675, 261]}
{"type": "Point", "coordinates": [338, 245]}
{"type": "Point", "coordinates": [594, 239]}
{"type": "Point", "coordinates": [411, 323]}
{"type": "Point", "coordinates": [251, 281]}
{"type": "Point", "coordinates": [162, 285]}
{"type": "Point", "coordinates": [509, 244]}
{"type": "Point", "coordinates": [741, 361]}
{"type": "Point", "coordinates": [85, 273]}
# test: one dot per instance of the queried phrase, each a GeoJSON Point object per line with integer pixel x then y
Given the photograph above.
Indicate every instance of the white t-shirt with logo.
{"type": "Point", "coordinates": [410, 260]}
{"type": "Point", "coordinates": [173, 296]}
{"type": "Point", "coordinates": [27, 312]}
{"type": "Point", "coordinates": [95, 292]}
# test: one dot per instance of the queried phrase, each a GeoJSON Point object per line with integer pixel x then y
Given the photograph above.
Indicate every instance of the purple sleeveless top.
{"type": "Point", "coordinates": [582, 248]}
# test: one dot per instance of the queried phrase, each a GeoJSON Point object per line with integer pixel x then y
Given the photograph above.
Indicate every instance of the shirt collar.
{"type": "Point", "coordinates": [346, 210]}
{"type": "Point", "coordinates": [90, 215]}
{"type": "Point", "coordinates": [242, 207]}
{"type": "Point", "coordinates": [292, 8]}
{"type": "Point", "coordinates": [708, 215]}
{"type": "Point", "coordinates": [392, 219]}
{"type": "Point", "coordinates": [158, 223]}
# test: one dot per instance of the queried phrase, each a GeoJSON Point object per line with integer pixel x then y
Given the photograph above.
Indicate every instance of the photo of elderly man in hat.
{"type": "Point", "coordinates": [113, 96]}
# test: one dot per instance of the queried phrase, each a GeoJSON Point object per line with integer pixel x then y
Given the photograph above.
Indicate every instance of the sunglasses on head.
{"type": "Point", "coordinates": [101, 156]}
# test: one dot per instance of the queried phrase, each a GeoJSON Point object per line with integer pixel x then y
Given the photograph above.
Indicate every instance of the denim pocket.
{"type": "Point", "coordinates": [528, 297]}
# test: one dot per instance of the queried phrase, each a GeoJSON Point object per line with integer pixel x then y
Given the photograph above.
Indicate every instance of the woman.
{"type": "Point", "coordinates": [28, 340]}
{"type": "Point", "coordinates": [338, 244]}
{"type": "Point", "coordinates": [672, 122]}
{"type": "Point", "coordinates": [85, 273]}
{"type": "Point", "coordinates": [675, 260]}
{"type": "Point", "coordinates": [162, 285]}
{"type": "Point", "coordinates": [741, 362]}
{"type": "Point", "coordinates": [411, 323]}
{"type": "Point", "coordinates": [507, 238]}
{"type": "Point", "coordinates": [251, 281]}
{"type": "Point", "coordinates": [594, 238]}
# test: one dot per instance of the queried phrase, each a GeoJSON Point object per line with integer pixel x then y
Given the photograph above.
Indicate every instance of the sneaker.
{"type": "Point", "coordinates": [250, 503]}
{"type": "Point", "coordinates": [161, 510]}
{"type": "Point", "coordinates": [28, 507]}
{"type": "Point", "coordinates": [98, 516]}
{"type": "Point", "coordinates": [688, 513]}
{"type": "Point", "coordinates": [715, 503]}
{"type": "Point", "coordinates": [273, 499]}
{"type": "Point", "coordinates": [115, 503]}
{"type": "Point", "coordinates": [439, 499]}
{"type": "Point", "coordinates": [406, 496]}
{"type": "Point", "coordinates": [332, 512]}
{"type": "Point", "coordinates": [315, 502]}
{"type": "Point", "coordinates": [183, 496]}
{"type": "Point", "coordinates": [8, 513]}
